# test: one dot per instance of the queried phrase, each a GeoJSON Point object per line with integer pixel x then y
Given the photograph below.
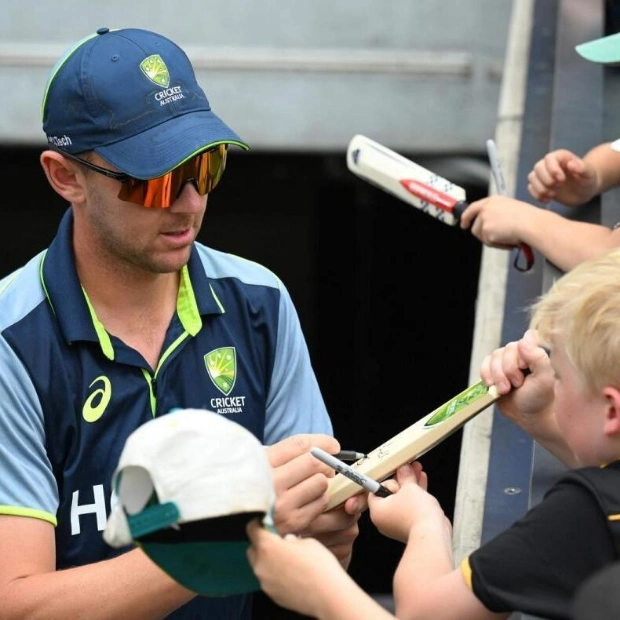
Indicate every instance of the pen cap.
{"type": "Point", "coordinates": [186, 485]}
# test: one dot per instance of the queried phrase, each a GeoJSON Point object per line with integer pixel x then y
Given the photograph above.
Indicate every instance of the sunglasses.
{"type": "Point", "coordinates": [203, 170]}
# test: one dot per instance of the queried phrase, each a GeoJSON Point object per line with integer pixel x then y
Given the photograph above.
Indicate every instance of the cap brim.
{"type": "Point", "coordinates": [207, 556]}
{"type": "Point", "coordinates": [605, 50]}
{"type": "Point", "coordinates": [210, 568]}
{"type": "Point", "coordinates": [158, 150]}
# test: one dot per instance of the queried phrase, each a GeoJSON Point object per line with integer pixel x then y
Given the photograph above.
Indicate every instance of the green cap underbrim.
{"type": "Point", "coordinates": [208, 568]}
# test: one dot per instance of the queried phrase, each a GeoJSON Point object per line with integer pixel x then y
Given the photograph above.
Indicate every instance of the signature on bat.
{"type": "Point", "coordinates": [445, 412]}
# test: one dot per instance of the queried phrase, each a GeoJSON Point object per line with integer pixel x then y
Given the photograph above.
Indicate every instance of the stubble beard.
{"type": "Point", "coordinates": [119, 250]}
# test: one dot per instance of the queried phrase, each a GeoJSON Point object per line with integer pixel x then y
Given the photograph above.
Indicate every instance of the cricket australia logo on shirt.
{"type": "Point", "coordinates": [222, 368]}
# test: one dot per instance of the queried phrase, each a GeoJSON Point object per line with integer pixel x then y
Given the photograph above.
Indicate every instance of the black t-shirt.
{"type": "Point", "coordinates": [537, 564]}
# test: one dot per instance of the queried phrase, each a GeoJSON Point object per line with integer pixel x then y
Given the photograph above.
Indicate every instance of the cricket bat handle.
{"type": "Point", "coordinates": [458, 209]}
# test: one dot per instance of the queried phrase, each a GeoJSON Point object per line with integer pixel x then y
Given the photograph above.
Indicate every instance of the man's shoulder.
{"type": "Point", "coordinates": [20, 291]}
{"type": "Point", "coordinates": [219, 264]}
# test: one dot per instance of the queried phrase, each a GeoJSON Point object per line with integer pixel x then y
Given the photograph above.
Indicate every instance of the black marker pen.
{"type": "Point", "coordinates": [364, 481]}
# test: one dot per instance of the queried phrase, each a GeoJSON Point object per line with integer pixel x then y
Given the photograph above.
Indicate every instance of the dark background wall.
{"type": "Point", "coordinates": [386, 294]}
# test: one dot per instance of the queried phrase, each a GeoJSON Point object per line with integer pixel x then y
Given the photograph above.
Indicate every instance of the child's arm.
{"type": "Point", "coordinates": [426, 584]}
{"type": "Point", "coordinates": [504, 223]}
{"type": "Point", "coordinates": [303, 575]}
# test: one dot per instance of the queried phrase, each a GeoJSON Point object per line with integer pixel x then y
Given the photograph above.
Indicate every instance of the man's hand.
{"type": "Point", "coordinates": [301, 483]}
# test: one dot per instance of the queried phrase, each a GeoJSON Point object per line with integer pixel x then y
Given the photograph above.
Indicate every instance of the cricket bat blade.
{"type": "Point", "coordinates": [406, 180]}
{"type": "Point", "coordinates": [414, 441]}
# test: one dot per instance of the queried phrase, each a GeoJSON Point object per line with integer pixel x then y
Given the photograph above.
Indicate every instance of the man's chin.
{"type": "Point", "coordinates": [171, 262]}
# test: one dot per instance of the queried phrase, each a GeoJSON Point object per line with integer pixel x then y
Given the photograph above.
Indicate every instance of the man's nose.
{"type": "Point", "coordinates": [188, 198]}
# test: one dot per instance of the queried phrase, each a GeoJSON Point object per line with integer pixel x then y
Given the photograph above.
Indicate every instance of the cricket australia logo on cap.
{"type": "Point", "coordinates": [222, 368]}
{"type": "Point", "coordinates": [155, 70]}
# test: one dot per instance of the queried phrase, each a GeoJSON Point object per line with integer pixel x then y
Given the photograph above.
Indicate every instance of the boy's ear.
{"type": "Point", "coordinates": [612, 416]}
{"type": "Point", "coordinates": [63, 176]}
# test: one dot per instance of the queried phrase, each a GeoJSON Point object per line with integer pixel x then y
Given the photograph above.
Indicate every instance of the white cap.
{"type": "Point", "coordinates": [185, 487]}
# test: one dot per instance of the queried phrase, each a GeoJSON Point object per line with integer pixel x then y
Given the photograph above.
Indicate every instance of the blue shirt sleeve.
{"type": "Point", "coordinates": [295, 403]}
{"type": "Point", "coordinates": [27, 484]}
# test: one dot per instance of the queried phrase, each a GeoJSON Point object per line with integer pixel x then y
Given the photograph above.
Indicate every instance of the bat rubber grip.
{"type": "Point", "coordinates": [458, 209]}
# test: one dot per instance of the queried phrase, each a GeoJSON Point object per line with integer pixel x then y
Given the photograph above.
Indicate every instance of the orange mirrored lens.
{"type": "Point", "coordinates": [204, 171]}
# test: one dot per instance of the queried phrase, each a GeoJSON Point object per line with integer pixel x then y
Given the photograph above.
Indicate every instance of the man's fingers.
{"type": "Point", "coordinates": [292, 447]}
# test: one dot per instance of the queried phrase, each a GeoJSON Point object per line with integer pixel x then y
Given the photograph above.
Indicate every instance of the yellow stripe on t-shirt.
{"type": "Point", "coordinates": [466, 571]}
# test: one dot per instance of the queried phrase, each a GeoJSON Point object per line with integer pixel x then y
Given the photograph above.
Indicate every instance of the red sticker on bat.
{"type": "Point", "coordinates": [429, 194]}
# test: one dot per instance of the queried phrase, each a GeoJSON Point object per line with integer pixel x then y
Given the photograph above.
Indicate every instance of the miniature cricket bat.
{"type": "Point", "coordinates": [406, 180]}
{"type": "Point", "coordinates": [414, 441]}
{"type": "Point", "coordinates": [416, 185]}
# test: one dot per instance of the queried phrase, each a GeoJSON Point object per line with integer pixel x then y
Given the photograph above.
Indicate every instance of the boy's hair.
{"type": "Point", "coordinates": [581, 314]}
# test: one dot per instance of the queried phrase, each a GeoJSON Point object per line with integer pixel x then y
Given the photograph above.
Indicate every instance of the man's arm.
{"type": "Point", "coordinates": [130, 586]}
{"type": "Point", "coordinates": [296, 421]}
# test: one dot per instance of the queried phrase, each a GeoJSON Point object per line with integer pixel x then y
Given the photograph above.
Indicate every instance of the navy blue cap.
{"type": "Point", "coordinates": [131, 96]}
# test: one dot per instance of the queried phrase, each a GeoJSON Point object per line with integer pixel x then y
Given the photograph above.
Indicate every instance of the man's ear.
{"type": "Point", "coordinates": [63, 176]}
{"type": "Point", "coordinates": [612, 413]}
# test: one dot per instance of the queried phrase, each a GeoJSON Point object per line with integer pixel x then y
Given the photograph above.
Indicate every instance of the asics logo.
{"type": "Point", "coordinates": [96, 403]}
